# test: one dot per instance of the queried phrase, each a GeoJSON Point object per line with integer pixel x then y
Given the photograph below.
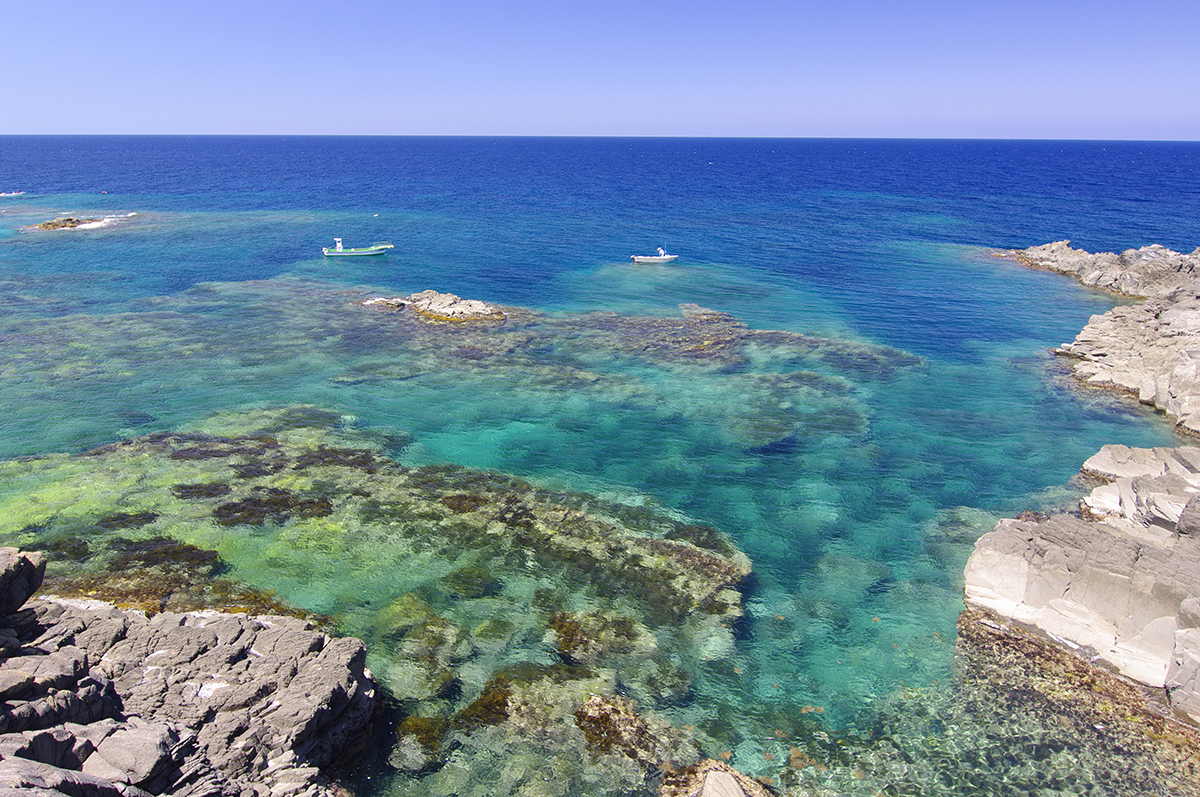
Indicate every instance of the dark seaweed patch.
{"type": "Point", "coordinates": [462, 502]}
{"type": "Point", "coordinates": [490, 708]}
{"type": "Point", "coordinates": [471, 582]}
{"type": "Point", "coordinates": [361, 459]}
{"type": "Point", "coordinates": [254, 470]}
{"type": "Point", "coordinates": [69, 549]}
{"type": "Point", "coordinates": [165, 553]}
{"type": "Point", "coordinates": [122, 520]}
{"type": "Point", "coordinates": [702, 537]}
{"type": "Point", "coordinates": [514, 512]}
{"type": "Point", "coordinates": [207, 490]}
{"type": "Point", "coordinates": [271, 504]}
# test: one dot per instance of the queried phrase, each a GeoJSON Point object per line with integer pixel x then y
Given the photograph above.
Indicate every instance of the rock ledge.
{"type": "Point", "coordinates": [104, 703]}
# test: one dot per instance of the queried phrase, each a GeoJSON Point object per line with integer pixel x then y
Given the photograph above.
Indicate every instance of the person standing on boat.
{"type": "Point", "coordinates": [662, 252]}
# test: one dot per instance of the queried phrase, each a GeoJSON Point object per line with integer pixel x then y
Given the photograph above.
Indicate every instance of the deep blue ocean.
{"type": "Point", "coordinates": [858, 516]}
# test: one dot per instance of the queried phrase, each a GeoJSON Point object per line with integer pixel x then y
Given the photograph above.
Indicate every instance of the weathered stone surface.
{"type": "Point", "coordinates": [711, 778]}
{"type": "Point", "coordinates": [20, 576]}
{"type": "Point", "coordinates": [1150, 271]}
{"type": "Point", "coordinates": [440, 307]}
{"type": "Point", "coordinates": [1151, 350]}
{"type": "Point", "coordinates": [101, 702]}
{"type": "Point", "coordinates": [1122, 583]}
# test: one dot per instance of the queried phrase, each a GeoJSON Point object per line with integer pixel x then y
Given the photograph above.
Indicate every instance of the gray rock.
{"type": "Point", "coordinates": [102, 702]}
{"type": "Point", "coordinates": [1189, 518]}
{"type": "Point", "coordinates": [18, 773]}
{"type": "Point", "coordinates": [440, 307]}
{"type": "Point", "coordinates": [20, 576]}
{"type": "Point", "coordinates": [1151, 350]}
{"type": "Point", "coordinates": [721, 784]}
{"type": "Point", "coordinates": [1150, 271]}
{"type": "Point", "coordinates": [138, 753]}
{"type": "Point", "coordinates": [15, 683]}
{"type": "Point", "coordinates": [1123, 585]}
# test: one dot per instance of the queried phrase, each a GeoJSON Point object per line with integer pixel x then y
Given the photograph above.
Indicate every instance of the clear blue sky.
{"type": "Point", "coordinates": [1096, 69]}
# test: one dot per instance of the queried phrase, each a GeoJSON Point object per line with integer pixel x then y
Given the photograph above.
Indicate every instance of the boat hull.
{"type": "Point", "coordinates": [649, 259]}
{"type": "Point", "coordinates": [377, 249]}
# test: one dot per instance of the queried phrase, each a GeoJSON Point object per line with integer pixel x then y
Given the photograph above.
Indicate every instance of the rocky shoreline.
{"type": "Point", "coordinates": [1118, 581]}
{"type": "Point", "coordinates": [1147, 349]}
{"type": "Point", "coordinates": [109, 703]}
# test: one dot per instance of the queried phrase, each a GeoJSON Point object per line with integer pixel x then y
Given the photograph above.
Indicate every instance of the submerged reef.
{"type": "Point", "coordinates": [521, 633]}
{"type": "Point", "coordinates": [540, 642]}
{"type": "Point", "coordinates": [272, 338]}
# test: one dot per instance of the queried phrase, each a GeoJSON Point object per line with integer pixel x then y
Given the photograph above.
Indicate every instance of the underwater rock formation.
{"type": "Point", "coordinates": [493, 611]}
{"type": "Point", "coordinates": [104, 702]}
{"type": "Point", "coordinates": [1083, 728]}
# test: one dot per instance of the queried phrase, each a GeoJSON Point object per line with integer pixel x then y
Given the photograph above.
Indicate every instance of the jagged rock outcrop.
{"type": "Point", "coordinates": [64, 223]}
{"type": "Point", "coordinates": [98, 701]}
{"type": "Point", "coordinates": [440, 307]}
{"type": "Point", "coordinates": [1147, 272]}
{"type": "Point", "coordinates": [1151, 349]}
{"type": "Point", "coordinates": [1122, 582]}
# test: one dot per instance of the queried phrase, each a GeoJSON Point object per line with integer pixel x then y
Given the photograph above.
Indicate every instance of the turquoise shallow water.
{"type": "Point", "coordinates": [856, 482]}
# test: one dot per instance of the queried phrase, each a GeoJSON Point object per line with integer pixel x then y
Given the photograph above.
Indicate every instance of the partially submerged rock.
{"type": "Point", "coordinates": [64, 222]}
{"type": "Point", "coordinates": [1150, 271]}
{"type": "Point", "coordinates": [440, 307]}
{"type": "Point", "coordinates": [711, 778]}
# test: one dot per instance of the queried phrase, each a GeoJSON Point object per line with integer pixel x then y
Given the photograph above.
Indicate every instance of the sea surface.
{"type": "Point", "coordinates": [857, 501]}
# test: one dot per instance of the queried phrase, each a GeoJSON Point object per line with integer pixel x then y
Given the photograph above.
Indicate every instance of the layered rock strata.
{"type": "Point", "coordinates": [1120, 583]}
{"type": "Point", "coordinates": [1120, 580]}
{"type": "Point", "coordinates": [1152, 349]}
{"type": "Point", "coordinates": [100, 702]}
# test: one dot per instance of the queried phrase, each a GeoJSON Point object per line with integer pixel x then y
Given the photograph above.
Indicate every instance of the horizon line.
{"type": "Point", "coordinates": [596, 136]}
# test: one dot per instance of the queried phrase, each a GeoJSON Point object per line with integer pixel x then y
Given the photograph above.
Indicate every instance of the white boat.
{"type": "Point", "coordinates": [661, 257]}
{"type": "Point", "coordinates": [12, 193]}
{"type": "Point", "coordinates": [337, 250]}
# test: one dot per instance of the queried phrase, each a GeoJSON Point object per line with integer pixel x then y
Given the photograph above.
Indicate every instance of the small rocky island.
{"type": "Point", "coordinates": [64, 223]}
{"type": "Point", "coordinates": [435, 306]}
{"type": "Point", "coordinates": [1119, 580]}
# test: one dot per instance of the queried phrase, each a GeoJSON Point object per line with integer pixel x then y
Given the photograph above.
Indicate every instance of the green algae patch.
{"type": "Point", "coordinates": [450, 576]}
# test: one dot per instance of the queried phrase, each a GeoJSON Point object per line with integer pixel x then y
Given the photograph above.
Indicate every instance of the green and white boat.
{"type": "Point", "coordinates": [337, 250]}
